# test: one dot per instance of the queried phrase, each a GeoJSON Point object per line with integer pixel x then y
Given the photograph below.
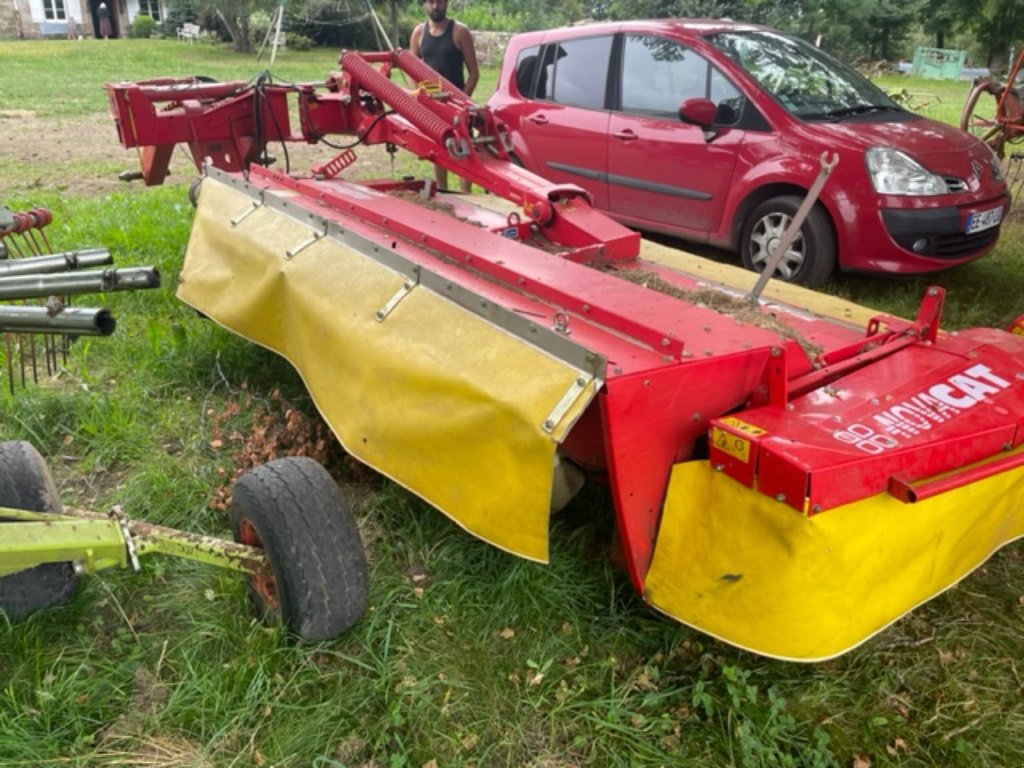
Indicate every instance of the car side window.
{"type": "Point", "coordinates": [575, 72]}
{"type": "Point", "coordinates": [526, 71]}
{"type": "Point", "coordinates": [727, 98]}
{"type": "Point", "coordinates": [659, 74]}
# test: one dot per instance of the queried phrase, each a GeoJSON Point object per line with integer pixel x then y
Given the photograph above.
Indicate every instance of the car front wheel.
{"type": "Point", "coordinates": [811, 256]}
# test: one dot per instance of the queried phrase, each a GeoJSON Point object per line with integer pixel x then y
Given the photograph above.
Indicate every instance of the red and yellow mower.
{"type": "Point", "coordinates": [790, 473]}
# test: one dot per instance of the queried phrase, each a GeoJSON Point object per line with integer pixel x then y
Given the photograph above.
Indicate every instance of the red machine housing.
{"type": "Point", "coordinates": [810, 411]}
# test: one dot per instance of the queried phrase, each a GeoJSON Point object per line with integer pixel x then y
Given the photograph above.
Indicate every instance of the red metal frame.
{"type": "Point", "coordinates": [231, 124]}
{"type": "Point", "coordinates": [818, 416]}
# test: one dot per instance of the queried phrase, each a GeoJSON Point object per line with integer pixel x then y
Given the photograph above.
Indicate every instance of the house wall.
{"type": "Point", "coordinates": [13, 17]}
{"type": "Point", "coordinates": [27, 18]}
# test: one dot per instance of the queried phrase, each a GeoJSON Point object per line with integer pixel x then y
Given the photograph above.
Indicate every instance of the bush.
{"type": "Point", "coordinates": [299, 42]}
{"type": "Point", "coordinates": [176, 13]}
{"type": "Point", "coordinates": [142, 27]}
{"type": "Point", "coordinates": [259, 26]}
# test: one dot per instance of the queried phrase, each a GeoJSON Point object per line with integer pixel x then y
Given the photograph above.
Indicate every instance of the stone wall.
{"type": "Point", "coordinates": [490, 47]}
{"type": "Point", "coordinates": [10, 21]}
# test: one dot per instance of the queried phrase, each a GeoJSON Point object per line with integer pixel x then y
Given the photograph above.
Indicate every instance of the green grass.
{"type": "Point", "coordinates": [30, 82]}
{"type": "Point", "coordinates": [468, 656]}
{"type": "Point", "coordinates": [938, 99]}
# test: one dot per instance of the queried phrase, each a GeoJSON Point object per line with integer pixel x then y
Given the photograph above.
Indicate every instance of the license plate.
{"type": "Point", "coordinates": [982, 220]}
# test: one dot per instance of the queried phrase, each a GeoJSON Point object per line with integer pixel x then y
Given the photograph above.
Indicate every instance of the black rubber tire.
{"type": "Point", "coordinates": [194, 188]}
{"type": "Point", "coordinates": [294, 510]}
{"type": "Point", "coordinates": [25, 483]}
{"type": "Point", "coordinates": [811, 258]}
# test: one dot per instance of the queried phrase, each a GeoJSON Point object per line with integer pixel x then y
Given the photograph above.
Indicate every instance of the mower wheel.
{"type": "Point", "coordinates": [25, 483]}
{"type": "Point", "coordinates": [193, 191]}
{"type": "Point", "coordinates": [294, 510]}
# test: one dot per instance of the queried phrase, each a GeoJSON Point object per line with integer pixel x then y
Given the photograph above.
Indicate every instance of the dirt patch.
{"type": "Point", "coordinates": [83, 157]}
{"type": "Point", "coordinates": [58, 153]}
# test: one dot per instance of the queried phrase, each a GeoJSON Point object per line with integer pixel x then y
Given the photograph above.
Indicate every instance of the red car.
{"type": "Point", "coordinates": [714, 131]}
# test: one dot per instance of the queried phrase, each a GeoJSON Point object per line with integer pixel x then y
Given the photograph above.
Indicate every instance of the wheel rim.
{"type": "Point", "coordinates": [766, 236]}
{"type": "Point", "coordinates": [981, 117]}
{"type": "Point", "coordinates": [264, 585]}
{"type": "Point", "coordinates": [988, 132]}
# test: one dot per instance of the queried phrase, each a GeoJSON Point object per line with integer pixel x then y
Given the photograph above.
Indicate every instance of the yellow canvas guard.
{"type": "Point", "coordinates": [436, 397]}
{"type": "Point", "coordinates": [749, 570]}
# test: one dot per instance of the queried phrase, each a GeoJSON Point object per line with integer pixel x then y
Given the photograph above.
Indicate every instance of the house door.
{"type": "Point", "coordinates": [105, 19]}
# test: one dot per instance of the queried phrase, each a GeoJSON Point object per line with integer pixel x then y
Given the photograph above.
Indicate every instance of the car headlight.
{"type": "Point", "coordinates": [895, 173]}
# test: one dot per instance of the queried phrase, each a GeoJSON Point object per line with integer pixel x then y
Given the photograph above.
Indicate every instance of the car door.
{"type": "Point", "coordinates": [664, 173]}
{"type": "Point", "coordinates": [564, 120]}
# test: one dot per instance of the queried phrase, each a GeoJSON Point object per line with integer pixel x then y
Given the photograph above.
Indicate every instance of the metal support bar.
{"type": "Point", "coordinates": [794, 226]}
{"type": "Point", "coordinates": [56, 262]}
{"type": "Point", "coordinates": [74, 283]}
{"type": "Point", "coordinates": [57, 319]}
{"type": "Point", "coordinates": [95, 542]}
{"type": "Point", "coordinates": [291, 253]}
{"type": "Point", "coordinates": [558, 412]}
{"type": "Point", "coordinates": [246, 213]}
{"type": "Point", "coordinates": [92, 544]}
{"type": "Point", "coordinates": [150, 539]}
{"type": "Point", "coordinates": [911, 491]}
{"type": "Point", "coordinates": [394, 301]}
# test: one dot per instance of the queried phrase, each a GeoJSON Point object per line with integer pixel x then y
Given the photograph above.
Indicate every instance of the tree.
{"type": "Point", "coordinates": [997, 24]}
{"type": "Point", "coordinates": [664, 9]}
{"type": "Point", "coordinates": [943, 17]}
{"type": "Point", "coordinates": [350, 24]}
{"type": "Point", "coordinates": [234, 16]}
{"type": "Point", "coordinates": [874, 29]}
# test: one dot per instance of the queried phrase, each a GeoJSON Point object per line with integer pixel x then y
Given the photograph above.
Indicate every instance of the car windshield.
{"type": "Point", "coordinates": [806, 81]}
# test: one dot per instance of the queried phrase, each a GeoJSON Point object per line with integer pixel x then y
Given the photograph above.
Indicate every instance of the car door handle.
{"type": "Point", "coordinates": [538, 119]}
{"type": "Point", "coordinates": [626, 135]}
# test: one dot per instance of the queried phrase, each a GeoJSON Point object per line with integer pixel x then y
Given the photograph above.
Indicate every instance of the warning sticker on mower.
{"type": "Point", "coordinates": [735, 445]}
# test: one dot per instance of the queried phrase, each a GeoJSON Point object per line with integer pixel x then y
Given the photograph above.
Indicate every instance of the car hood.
{"type": "Point", "coordinates": [939, 147]}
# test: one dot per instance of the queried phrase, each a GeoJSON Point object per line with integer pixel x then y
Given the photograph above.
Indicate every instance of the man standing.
{"type": "Point", "coordinates": [104, 14]}
{"type": "Point", "coordinates": [447, 46]}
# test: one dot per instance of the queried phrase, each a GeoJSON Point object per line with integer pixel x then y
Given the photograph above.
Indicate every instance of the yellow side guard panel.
{"type": "Point", "coordinates": [444, 401]}
{"type": "Point", "coordinates": [744, 568]}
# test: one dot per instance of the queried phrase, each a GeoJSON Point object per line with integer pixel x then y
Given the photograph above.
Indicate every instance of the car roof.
{"type": "Point", "coordinates": [693, 26]}
{"type": "Point", "coordinates": [687, 27]}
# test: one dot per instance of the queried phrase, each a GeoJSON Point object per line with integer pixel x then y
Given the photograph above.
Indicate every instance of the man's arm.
{"type": "Point", "coordinates": [416, 40]}
{"type": "Point", "coordinates": [463, 40]}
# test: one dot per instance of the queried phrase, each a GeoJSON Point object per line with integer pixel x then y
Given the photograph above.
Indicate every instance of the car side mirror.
{"type": "Point", "coordinates": [700, 112]}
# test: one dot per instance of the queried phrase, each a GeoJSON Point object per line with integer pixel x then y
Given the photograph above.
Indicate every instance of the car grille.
{"type": "Point", "coordinates": [957, 245]}
{"type": "Point", "coordinates": [953, 184]}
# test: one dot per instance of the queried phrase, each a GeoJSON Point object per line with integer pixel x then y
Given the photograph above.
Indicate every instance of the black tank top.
{"type": "Point", "coordinates": [441, 54]}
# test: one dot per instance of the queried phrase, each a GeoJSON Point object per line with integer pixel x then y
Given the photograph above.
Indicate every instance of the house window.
{"type": "Point", "coordinates": [54, 10]}
{"type": "Point", "coordinates": [151, 8]}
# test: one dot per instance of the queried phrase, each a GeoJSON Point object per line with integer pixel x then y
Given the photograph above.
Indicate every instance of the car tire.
{"type": "Point", "coordinates": [194, 188]}
{"type": "Point", "coordinates": [811, 258]}
{"type": "Point", "coordinates": [25, 483]}
{"type": "Point", "coordinates": [293, 509]}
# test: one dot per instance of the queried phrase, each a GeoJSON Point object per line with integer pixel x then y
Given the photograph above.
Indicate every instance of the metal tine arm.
{"type": "Point", "coordinates": [94, 281]}
{"type": "Point", "coordinates": [65, 261]}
